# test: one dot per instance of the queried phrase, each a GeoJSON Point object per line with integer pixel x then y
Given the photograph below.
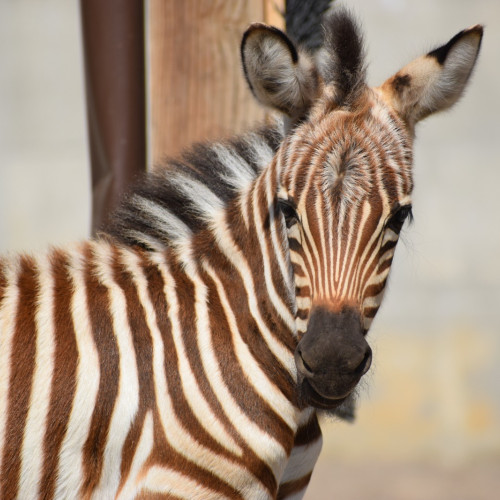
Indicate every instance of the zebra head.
{"type": "Point", "coordinates": [345, 170]}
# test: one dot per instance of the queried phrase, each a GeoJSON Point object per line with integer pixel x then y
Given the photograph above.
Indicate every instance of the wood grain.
{"type": "Point", "coordinates": [197, 89]}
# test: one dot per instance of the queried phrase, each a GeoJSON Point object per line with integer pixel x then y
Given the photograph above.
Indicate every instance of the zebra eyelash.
{"type": "Point", "coordinates": [289, 211]}
{"type": "Point", "coordinates": [399, 216]}
{"type": "Point", "coordinates": [406, 213]}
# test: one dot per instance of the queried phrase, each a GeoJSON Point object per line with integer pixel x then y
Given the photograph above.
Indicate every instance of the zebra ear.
{"type": "Point", "coordinates": [277, 74]}
{"type": "Point", "coordinates": [436, 81]}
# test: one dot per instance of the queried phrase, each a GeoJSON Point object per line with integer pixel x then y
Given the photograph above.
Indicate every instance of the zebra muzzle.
{"type": "Point", "coordinates": [331, 357]}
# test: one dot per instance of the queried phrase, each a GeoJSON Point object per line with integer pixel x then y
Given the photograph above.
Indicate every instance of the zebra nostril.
{"type": "Point", "coordinates": [302, 364]}
{"type": "Point", "coordinates": [365, 364]}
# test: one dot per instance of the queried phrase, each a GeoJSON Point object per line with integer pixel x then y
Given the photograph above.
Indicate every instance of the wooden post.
{"type": "Point", "coordinates": [197, 89]}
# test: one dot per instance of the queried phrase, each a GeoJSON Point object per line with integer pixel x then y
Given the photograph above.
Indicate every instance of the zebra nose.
{"type": "Point", "coordinates": [333, 354]}
{"type": "Point", "coordinates": [358, 364]}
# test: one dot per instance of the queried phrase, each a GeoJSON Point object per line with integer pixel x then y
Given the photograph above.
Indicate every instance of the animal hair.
{"type": "Point", "coordinates": [345, 66]}
{"type": "Point", "coordinates": [303, 22]}
{"type": "Point", "coordinates": [180, 196]}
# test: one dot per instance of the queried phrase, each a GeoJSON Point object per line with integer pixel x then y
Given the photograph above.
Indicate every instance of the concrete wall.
{"type": "Point", "coordinates": [44, 182]}
{"type": "Point", "coordinates": [434, 392]}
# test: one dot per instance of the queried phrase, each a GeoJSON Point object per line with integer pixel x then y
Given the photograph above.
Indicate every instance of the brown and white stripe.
{"type": "Point", "coordinates": [127, 384]}
{"type": "Point", "coordinates": [159, 360]}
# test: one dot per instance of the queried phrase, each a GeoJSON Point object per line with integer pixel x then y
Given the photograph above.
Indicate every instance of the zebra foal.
{"type": "Point", "coordinates": [187, 352]}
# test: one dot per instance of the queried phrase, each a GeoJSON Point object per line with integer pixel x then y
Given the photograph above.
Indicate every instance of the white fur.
{"type": "Point", "coordinates": [302, 460]}
{"type": "Point", "coordinates": [254, 374]}
{"type": "Point", "coordinates": [205, 202]}
{"type": "Point", "coordinates": [127, 400]}
{"type": "Point", "coordinates": [165, 220]}
{"type": "Point", "coordinates": [236, 257]}
{"type": "Point", "coordinates": [35, 427]}
{"type": "Point", "coordinates": [134, 480]}
{"type": "Point", "coordinates": [70, 470]}
{"type": "Point", "coordinates": [240, 173]}
{"type": "Point", "coordinates": [169, 482]}
{"type": "Point", "coordinates": [262, 443]}
{"type": "Point", "coordinates": [7, 328]}
{"type": "Point", "coordinates": [267, 57]}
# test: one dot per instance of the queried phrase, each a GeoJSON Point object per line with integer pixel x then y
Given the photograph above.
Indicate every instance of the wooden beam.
{"type": "Point", "coordinates": [197, 90]}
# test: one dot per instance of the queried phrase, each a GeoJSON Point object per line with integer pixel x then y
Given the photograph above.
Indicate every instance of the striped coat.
{"type": "Point", "coordinates": [187, 351]}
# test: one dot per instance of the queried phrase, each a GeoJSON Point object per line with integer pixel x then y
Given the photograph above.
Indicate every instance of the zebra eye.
{"type": "Point", "coordinates": [398, 218]}
{"type": "Point", "coordinates": [288, 210]}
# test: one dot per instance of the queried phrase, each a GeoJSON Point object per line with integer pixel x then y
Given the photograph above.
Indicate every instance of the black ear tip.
{"type": "Point", "coordinates": [253, 28]}
{"type": "Point", "coordinates": [441, 52]}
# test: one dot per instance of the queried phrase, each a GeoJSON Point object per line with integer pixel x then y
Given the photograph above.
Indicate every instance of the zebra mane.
{"type": "Point", "coordinates": [303, 20]}
{"type": "Point", "coordinates": [180, 196]}
{"type": "Point", "coordinates": [344, 61]}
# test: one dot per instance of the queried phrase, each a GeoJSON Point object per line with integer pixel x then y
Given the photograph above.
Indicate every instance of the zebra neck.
{"type": "Point", "coordinates": [244, 252]}
{"type": "Point", "coordinates": [260, 231]}
{"type": "Point", "coordinates": [180, 197]}
{"type": "Point", "coordinates": [240, 317]}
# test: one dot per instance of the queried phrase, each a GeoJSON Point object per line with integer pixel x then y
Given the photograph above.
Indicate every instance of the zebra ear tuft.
{"type": "Point", "coordinates": [435, 81]}
{"type": "Point", "coordinates": [345, 61]}
{"type": "Point", "coordinates": [278, 75]}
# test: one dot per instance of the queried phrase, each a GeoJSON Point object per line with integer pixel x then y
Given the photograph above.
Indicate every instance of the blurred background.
{"type": "Point", "coordinates": [428, 422]}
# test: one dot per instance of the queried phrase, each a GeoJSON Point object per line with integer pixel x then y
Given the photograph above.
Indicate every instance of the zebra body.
{"type": "Point", "coordinates": [133, 329]}
{"type": "Point", "coordinates": [187, 352]}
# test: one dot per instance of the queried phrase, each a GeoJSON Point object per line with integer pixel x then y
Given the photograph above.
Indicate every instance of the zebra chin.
{"type": "Point", "coordinates": [331, 357]}
{"type": "Point", "coordinates": [308, 396]}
